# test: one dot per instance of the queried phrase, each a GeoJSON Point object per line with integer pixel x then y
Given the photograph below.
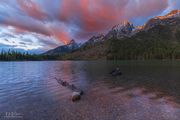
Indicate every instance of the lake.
{"type": "Point", "coordinates": [147, 90]}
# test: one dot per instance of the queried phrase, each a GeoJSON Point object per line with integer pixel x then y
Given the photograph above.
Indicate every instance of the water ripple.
{"type": "Point", "coordinates": [141, 93]}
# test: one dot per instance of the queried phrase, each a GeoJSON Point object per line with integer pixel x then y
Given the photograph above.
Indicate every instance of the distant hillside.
{"type": "Point", "coordinates": [159, 38]}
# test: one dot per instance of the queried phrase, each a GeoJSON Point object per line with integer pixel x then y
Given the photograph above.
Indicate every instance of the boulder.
{"type": "Point", "coordinates": [116, 72]}
{"type": "Point", "coordinates": [76, 96]}
{"type": "Point", "coordinates": [79, 91]}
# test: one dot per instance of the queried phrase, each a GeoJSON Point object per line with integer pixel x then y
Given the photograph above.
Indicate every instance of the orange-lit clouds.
{"type": "Point", "coordinates": [61, 34]}
{"type": "Point", "coordinates": [75, 19]}
{"type": "Point", "coordinates": [92, 16]}
{"type": "Point", "coordinates": [95, 15]}
{"type": "Point", "coordinates": [32, 9]}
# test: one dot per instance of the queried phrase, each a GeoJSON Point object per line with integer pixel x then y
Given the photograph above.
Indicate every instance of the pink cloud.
{"type": "Point", "coordinates": [100, 15]}
{"type": "Point", "coordinates": [144, 8]}
{"type": "Point", "coordinates": [84, 17]}
{"type": "Point", "coordinates": [32, 9]}
{"type": "Point", "coordinates": [92, 15]}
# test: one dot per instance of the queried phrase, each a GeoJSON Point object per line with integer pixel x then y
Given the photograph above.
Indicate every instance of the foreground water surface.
{"type": "Point", "coordinates": [147, 90]}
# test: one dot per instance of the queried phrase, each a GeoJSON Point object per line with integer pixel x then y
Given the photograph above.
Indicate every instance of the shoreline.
{"type": "Point", "coordinates": [89, 60]}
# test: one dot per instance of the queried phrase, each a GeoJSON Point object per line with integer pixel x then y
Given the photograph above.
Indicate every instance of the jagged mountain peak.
{"type": "Point", "coordinates": [170, 18]}
{"type": "Point", "coordinates": [71, 42]}
{"type": "Point", "coordinates": [69, 47]}
{"type": "Point", "coordinates": [125, 25]}
{"type": "Point", "coordinates": [97, 38]}
{"type": "Point", "coordinates": [124, 29]}
{"type": "Point", "coordinates": [174, 13]}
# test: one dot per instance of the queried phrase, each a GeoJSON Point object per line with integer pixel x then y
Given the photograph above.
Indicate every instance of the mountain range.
{"type": "Point", "coordinates": [159, 38]}
{"type": "Point", "coordinates": [68, 48]}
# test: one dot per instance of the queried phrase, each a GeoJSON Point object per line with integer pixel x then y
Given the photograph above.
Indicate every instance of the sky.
{"type": "Point", "coordinates": [40, 25]}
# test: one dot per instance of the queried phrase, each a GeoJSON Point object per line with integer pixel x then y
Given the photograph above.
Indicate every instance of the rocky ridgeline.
{"type": "Point", "coordinates": [172, 18]}
{"type": "Point", "coordinates": [172, 14]}
{"type": "Point", "coordinates": [95, 39]}
{"type": "Point", "coordinates": [122, 30]}
{"type": "Point", "coordinates": [71, 46]}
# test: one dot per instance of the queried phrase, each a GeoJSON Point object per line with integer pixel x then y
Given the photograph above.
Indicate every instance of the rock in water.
{"type": "Point", "coordinates": [116, 72]}
{"type": "Point", "coordinates": [81, 92]}
{"type": "Point", "coordinates": [76, 96]}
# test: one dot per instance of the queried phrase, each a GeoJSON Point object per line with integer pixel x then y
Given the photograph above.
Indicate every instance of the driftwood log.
{"type": "Point", "coordinates": [76, 95]}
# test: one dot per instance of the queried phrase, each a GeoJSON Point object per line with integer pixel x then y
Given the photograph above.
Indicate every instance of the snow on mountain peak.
{"type": "Point", "coordinates": [125, 27]}
{"type": "Point", "coordinates": [172, 14]}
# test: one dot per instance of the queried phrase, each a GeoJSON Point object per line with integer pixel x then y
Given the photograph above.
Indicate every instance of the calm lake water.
{"type": "Point", "coordinates": [147, 90]}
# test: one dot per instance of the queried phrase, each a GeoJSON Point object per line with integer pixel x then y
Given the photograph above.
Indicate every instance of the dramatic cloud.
{"type": "Point", "coordinates": [32, 9]}
{"type": "Point", "coordinates": [25, 41]}
{"type": "Point", "coordinates": [59, 21]}
{"type": "Point", "coordinates": [92, 15]}
{"type": "Point", "coordinates": [145, 8]}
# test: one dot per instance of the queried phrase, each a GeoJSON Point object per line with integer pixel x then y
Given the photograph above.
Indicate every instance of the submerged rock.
{"type": "Point", "coordinates": [116, 72]}
{"type": "Point", "coordinates": [76, 96]}
{"type": "Point", "coordinates": [79, 91]}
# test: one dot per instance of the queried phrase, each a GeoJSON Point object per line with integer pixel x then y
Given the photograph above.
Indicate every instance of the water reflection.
{"type": "Point", "coordinates": [147, 90]}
